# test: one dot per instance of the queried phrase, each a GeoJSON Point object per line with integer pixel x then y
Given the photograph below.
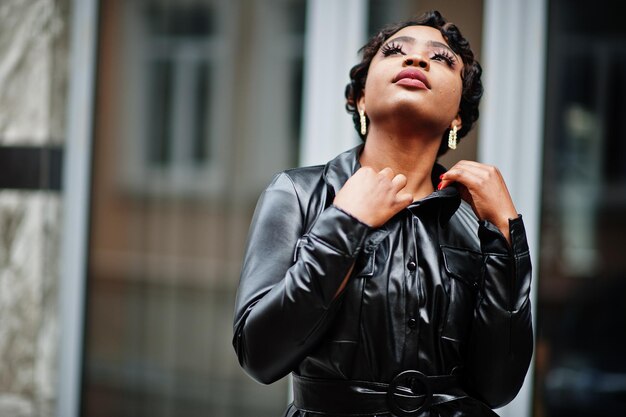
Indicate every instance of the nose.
{"type": "Point", "coordinates": [417, 61]}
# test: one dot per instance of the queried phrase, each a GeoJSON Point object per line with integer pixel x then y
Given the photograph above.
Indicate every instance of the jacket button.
{"type": "Point", "coordinates": [412, 323]}
{"type": "Point", "coordinates": [411, 266]}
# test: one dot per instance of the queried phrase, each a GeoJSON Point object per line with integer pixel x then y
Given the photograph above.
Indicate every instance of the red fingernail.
{"type": "Point", "coordinates": [440, 185]}
{"type": "Point", "coordinates": [441, 176]}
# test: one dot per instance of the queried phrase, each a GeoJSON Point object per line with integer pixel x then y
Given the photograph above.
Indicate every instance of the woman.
{"type": "Point", "coordinates": [385, 284]}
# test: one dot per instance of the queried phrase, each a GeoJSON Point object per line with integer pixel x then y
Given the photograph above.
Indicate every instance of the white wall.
{"type": "Point", "coordinates": [333, 27]}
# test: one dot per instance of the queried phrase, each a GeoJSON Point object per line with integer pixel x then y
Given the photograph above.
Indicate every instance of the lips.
{"type": "Point", "coordinates": [413, 78]}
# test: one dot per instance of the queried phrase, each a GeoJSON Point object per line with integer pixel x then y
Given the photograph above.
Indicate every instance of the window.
{"type": "Point", "coordinates": [581, 367]}
{"type": "Point", "coordinates": [180, 65]}
{"type": "Point", "coordinates": [198, 105]}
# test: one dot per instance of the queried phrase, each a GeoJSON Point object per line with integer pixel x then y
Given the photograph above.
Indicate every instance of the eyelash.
{"type": "Point", "coordinates": [391, 49]}
{"type": "Point", "coordinates": [444, 56]}
{"type": "Point", "coordinates": [394, 48]}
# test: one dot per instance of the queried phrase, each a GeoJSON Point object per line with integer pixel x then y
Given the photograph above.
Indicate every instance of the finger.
{"type": "Point", "coordinates": [466, 162]}
{"type": "Point", "coordinates": [366, 170]}
{"type": "Point", "coordinates": [404, 199]}
{"type": "Point", "coordinates": [484, 170]}
{"type": "Point", "coordinates": [469, 178]}
{"type": "Point", "coordinates": [463, 176]}
{"type": "Point", "coordinates": [474, 168]}
{"type": "Point", "coordinates": [386, 172]}
{"type": "Point", "coordinates": [465, 195]}
{"type": "Point", "coordinates": [399, 182]}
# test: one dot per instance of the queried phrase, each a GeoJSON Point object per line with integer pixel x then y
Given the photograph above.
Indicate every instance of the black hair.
{"type": "Point", "coordinates": [470, 75]}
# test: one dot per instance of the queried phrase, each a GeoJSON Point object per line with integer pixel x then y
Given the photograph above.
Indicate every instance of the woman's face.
{"type": "Point", "coordinates": [414, 76]}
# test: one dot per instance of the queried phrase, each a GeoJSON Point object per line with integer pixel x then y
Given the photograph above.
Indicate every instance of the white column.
{"type": "Point", "coordinates": [335, 31]}
{"type": "Point", "coordinates": [76, 179]}
{"type": "Point", "coordinates": [511, 130]}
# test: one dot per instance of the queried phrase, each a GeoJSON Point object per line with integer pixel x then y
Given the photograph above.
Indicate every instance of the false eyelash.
{"type": "Point", "coordinates": [391, 48]}
{"type": "Point", "coordinates": [445, 56]}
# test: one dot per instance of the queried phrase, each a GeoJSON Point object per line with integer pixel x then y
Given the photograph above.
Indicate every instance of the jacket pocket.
{"type": "Point", "coordinates": [464, 268]}
{"type": "Point", "coordinates": [347, 324]}
{"type": "Point", "coordinates": [339, 351]}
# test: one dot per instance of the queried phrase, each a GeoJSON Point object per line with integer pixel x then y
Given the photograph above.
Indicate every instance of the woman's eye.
{"type": "Point", "coordinates": [444, 57]}
{"type": "Point", "coordinates": [391, 49]}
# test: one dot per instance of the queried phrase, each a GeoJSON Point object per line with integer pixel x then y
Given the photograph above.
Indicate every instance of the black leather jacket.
{"type": "Point", "coordinates": [434, 290]}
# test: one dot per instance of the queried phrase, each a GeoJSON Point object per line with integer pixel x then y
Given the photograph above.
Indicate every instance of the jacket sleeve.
{"type": "Point", "coordinates": [284, 306]}
{"type": "Point", "coordinates": [501, 341]}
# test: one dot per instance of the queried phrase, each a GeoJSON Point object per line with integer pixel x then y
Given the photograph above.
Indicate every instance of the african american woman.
{"type": "Point", "coordinates": [384, 283]}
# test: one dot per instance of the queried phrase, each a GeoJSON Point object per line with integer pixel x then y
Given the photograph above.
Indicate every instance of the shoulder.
{"type": "Point", "coordinates": [304, 176]}
{"type": "Point", "coordinates": [302, 181]}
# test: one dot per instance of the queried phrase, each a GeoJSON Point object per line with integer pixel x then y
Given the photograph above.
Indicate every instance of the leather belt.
{"type": "Point", "coordinates": [408, 394]}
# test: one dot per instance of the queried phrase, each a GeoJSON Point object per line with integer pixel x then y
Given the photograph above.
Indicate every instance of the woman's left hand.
{"type": "Point", "coordinates": [483, 187]}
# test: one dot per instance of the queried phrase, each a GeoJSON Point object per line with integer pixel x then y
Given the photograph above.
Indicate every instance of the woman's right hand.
{"type": "Point", "coordinates": [373, 197]}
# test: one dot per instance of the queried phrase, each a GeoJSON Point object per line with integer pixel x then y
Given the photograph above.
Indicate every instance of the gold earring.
{"type": "Point", "coordinates": [452, 138]}
{"type": "Point", "coordinates": [363, 122]}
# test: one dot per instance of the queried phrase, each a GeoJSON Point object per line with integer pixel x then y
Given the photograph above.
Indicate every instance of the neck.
{"type": "Point", "coordinates": [412, 156]}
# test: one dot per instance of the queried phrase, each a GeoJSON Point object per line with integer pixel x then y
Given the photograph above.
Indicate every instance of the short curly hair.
{"type": "Point", "coordinates": [472, 85]}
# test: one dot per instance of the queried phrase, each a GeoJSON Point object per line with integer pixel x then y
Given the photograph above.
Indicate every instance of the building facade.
{"type": "Point", "coordinates": [136, 136]}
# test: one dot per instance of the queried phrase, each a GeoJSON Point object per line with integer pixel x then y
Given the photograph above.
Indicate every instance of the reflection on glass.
{"type": "Point", "coordinates": [200, 150]}
{"type": "Point", "coordinates": [159, 138]}
{"type": "Point", "coordinates": [198, 105]}
{"type": "Point", "coordinates": [581, 361]}
{"type": "Point", "coordinates": [179, 49]}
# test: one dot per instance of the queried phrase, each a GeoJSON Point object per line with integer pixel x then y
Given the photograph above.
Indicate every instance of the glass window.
{"type": "Point", "coordinates": [181, 48]}
{"type": "Point", "coordinates": [198, 105]}
{"type": "Point", "coordinates": [581, 365]}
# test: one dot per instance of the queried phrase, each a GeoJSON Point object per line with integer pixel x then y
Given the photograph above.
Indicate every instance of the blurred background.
{"type": "Point", "coordinates": [137, 135]}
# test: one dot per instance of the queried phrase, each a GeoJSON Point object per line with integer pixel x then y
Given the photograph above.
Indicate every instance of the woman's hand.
{"type": "Point", "coordinates": [483, 187]}
{"type": "Point", "coordinates": [373, 197]}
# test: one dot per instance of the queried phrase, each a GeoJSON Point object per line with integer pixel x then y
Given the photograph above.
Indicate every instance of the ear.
{"type": "Point", "coordinates": [360, 104]}
{"type": "Point", "coordinates": [457, 122]}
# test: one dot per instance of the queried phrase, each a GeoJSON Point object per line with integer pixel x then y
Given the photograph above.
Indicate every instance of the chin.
{"type": "Point", "coordinates": [413, 115]}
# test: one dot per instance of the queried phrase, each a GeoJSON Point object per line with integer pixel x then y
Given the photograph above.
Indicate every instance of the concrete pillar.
{"type": "Point", "coordinates": [33, 78]}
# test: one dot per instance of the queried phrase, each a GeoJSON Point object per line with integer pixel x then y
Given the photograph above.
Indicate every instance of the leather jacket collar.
{"type": "Point", "coordinates": [338, 170]}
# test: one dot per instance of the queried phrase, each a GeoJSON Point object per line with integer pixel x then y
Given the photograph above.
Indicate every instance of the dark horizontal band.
{"type": "Point", "coordinates": [31, 167]}
{"type": "Point", "coordinates": [405, 396]}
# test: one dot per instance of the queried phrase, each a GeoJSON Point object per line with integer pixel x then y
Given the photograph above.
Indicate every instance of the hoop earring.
{"type": "Point", "coordinates": [363, 122]}
{"type": "Point", "coordinates": [452, 138]}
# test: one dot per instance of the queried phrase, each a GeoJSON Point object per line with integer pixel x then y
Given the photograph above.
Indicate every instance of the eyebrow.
{"type": "Point", "coordinates": [409, 39]}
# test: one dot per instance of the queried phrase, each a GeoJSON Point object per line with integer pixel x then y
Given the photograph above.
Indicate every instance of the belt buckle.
{"type": "Point", "coordinates": [413, 378]}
